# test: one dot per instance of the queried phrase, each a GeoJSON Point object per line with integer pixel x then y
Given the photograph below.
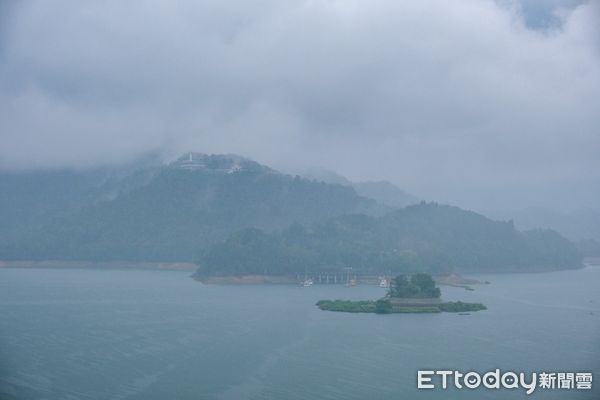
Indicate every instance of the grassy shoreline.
{"type": "Point", "coordinates": [383, 306]}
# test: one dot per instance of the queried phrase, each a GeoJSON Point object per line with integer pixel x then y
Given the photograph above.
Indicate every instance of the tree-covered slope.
{"type": "Point", "coordinates": [171, 213]}
{"type": "Point", "coordinates": [420, 238]}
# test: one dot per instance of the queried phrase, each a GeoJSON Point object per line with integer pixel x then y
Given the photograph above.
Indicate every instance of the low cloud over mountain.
{"type": "Point", "coordinates": [478, 103]}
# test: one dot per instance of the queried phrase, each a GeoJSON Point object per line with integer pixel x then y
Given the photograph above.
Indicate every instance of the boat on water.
{"type": "Point", "coordinates": [307, 283]}
{"type": "Point", "coordinates": [383, 283]}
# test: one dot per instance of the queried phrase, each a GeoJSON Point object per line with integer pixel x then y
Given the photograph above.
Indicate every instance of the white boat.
{"type": "Point", "coordinates": [307, 283]}
{"type": "Point", "coordinates": [383, 283]}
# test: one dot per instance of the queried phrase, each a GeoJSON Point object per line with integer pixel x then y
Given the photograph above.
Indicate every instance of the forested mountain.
{"type": "Point", "coordinates": [421, 238]}
{"type": "Point", "coordinates": [166, 213]}
{"type": "Point", "coordinates": [238, 216]}
{"type": "Point", "coordinates": [30, 200]}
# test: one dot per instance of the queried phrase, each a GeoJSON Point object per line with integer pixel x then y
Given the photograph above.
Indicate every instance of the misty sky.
{"type": "Point", "coordinates": [477, 103]}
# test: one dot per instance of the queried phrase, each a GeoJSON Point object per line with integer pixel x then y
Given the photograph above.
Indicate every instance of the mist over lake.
{"type": "Point", "coordinates": [119, 334]}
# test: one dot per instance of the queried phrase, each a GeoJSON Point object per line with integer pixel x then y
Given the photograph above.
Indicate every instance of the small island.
{"type": "Point", "coordinates": [416, 293]}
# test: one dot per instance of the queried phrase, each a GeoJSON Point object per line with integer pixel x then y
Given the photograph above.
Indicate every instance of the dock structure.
{"type": "Point", "coordinates": [346, 276]}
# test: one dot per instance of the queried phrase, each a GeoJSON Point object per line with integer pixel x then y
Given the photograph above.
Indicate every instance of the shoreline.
{"type": "Point", "coordinates": [63, 264]}
{"type": "Point", "coordinates": [447, 280]}
{"type": "Point", "coordinates": [247, 280]}
{"type": "Point", "coordinates": [451, 279]}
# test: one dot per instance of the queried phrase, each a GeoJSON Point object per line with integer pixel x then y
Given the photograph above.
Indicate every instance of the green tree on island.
{"type": "Point", "coordinates": [414, 286]}
{"type": "Point", "coordinates": [383, 306]}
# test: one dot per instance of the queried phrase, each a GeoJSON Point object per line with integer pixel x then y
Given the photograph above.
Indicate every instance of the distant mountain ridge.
{"type": "Point", "coordinates": [582, 224]}
{"type": "Point", "coordinates": [384, 192]}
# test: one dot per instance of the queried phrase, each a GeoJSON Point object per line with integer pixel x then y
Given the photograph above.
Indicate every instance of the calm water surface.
{"type": "Point", "coordinates": [93, 334]}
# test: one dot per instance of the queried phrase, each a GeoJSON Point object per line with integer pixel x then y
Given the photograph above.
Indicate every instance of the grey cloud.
{"type": "Point", "coordinates": [458, 101]}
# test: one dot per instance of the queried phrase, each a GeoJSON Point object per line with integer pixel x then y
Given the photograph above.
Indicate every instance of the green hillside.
{"type": "Point", "coordinates": [421, 238]}
{"type": "Point", "coordinates": [239, 217]}
{"type": "Point", "coordinates": [171, 213]}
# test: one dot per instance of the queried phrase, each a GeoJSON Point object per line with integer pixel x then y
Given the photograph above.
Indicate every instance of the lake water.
{"type": "Point", "coordinates": [94, 334]}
